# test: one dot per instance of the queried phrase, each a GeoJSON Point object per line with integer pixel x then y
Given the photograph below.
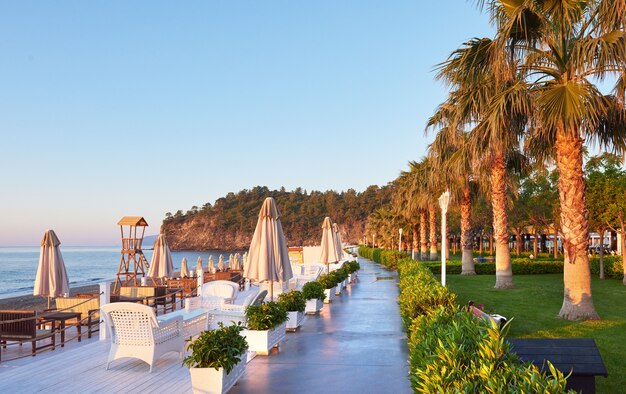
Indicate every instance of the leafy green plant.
{"type": "Point", "coordinates": [220, 348]}
{"type": "Point", "coordinates": [293, 301]}
{"type": "Point", "coordinates": [266, 316]}
{"type": "Point", "coordinates": [312, 290]}
{"type": "Point", "coordinates": [327, 280]}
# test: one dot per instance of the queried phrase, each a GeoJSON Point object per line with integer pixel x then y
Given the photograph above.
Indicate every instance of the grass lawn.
{"type": "Point", "coordinates": [534, 305]}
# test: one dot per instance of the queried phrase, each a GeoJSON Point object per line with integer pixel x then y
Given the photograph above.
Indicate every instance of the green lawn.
{"type": "Point", "coordinates": [534, 305]}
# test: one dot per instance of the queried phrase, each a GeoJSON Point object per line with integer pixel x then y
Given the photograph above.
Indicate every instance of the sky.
{"type": "Point", "coordinates": [119, 108]}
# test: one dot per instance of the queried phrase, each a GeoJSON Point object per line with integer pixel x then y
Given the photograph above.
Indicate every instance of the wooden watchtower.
{"type": "Point", "coordinates": [131, 251]}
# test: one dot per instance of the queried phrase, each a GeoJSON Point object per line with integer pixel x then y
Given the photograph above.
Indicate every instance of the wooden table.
{"type": "Point", "coordinates": [62, 318]}
{"type": "Point", "coordinates": [578, 355]}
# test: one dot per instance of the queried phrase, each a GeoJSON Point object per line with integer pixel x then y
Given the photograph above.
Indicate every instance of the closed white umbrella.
{"type": "Point", "coordinates": [51, 279]}
{"type": "Point", "coordinates": [161, 264]}
{"type": "Point", "coordinates": [268, 257]}
{"type": "Point", "coordinates": [338, 241]}
{"type": "Point", "coordinates": [199, 267]}
{"type": "Point", "coordinates": [231, 260]}
{"type": "Point", "coordinates": [211, 265]}
{"type": "Point", "coordinates": [328, 253]}
{"type": "Point", "coordinates": [184, 272]}
{"type": "Point", "coordinates": [220, 263]}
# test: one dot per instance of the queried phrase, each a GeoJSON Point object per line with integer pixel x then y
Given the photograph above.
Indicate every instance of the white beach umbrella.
{"type": "Point", "coordinates": [231, 260]}
{"type": "Point", "coordinates": [161, 264]}
{"type": "Point", "coordinates": [338, 241]}
{"type": "Point", "coordinates": [211, 265]}
{"type": "Point", "coordinates": [184, 272]}
{"type": "Point", "coordinates": [199, 267]}
{"type": "Point", "coordinates": [220, 263]}
{"type": "Point", "coordinates": [51, 279]}
{"type": "Point", "coordinates": [268, 257]}
{"type": "Point", "coordinates": [328, 253]}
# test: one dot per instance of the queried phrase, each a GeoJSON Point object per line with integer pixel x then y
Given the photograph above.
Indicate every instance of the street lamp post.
{"type": "Point", "coordinates": [400, 240]}
{"type": "Point", "coordinates": [444, 200]}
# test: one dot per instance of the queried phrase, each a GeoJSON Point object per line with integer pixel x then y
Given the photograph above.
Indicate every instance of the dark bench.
{"type": "Point", "coordinates": [23, 326]}
{"type": "Point", "coordinates": [578, 355]}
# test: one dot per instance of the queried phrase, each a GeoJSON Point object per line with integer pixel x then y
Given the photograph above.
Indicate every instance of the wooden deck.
{"type": "Point", "coordinates": [83, 370]}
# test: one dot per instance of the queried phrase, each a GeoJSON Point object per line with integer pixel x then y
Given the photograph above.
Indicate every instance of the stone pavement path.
{"type": "Point", "coordinates": [355, 345]}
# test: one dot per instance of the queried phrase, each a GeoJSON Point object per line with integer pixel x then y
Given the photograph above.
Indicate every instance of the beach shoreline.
{"type": "Point", "coordinates": [39, 303]}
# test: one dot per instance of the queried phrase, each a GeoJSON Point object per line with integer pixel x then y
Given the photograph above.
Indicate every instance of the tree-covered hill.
{"type": "Point", "coordinates": [229, 223]}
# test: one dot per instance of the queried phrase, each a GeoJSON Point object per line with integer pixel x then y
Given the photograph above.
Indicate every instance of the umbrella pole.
{"type": "Point", "coordinates": [48, 302]}
{"type": "Point", "coordinates": [271, 290]}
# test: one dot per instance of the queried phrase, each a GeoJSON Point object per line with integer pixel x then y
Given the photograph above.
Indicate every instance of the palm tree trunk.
{"type": "Point", "coordinates": [556, 243]}
{"type": "Point", "coordinates": [490, 244]}
{"type": "Point", "coordinates": [433, 231]}
{"type": "Point", "coordinates": [504, 270]}
{"type": "Point", "coordinates": [535, 243]}
{"type": "Point", "coordinates": [467, 262]}
{"type": "Point", "coordinates": [423, 235]}
{"type": "Point", "coordinates": [416, 240]}
{"type": "Point", "coordinates": [577, 298]}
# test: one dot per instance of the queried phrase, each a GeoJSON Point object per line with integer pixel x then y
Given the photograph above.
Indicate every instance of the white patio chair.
{"type": "Point", "coordinates": [135, 332]}
{"type": "Point", "coordinates": [221, 288]}
{"type": "Point", "coordinates": [233, 313]}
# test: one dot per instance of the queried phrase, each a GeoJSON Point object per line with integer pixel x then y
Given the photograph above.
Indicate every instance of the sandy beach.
{"type": "Point", "coordinates": [30, 302]}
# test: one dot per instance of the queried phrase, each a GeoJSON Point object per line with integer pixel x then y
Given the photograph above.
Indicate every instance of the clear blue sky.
{"type": "Point", "coordinates": [146, 107]}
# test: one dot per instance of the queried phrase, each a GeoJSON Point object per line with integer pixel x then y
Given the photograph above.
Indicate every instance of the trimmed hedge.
{"type": "Point", "coordinates": [613, 265]}
{"type": "Point", "coordinates": [452, 351]}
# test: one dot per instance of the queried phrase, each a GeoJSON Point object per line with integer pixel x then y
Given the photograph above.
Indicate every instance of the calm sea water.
{"type": "Point", "coordinates": [85, 265]}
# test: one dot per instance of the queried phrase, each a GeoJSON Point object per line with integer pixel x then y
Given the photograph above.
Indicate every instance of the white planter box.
{"type": "Point", "coordinates": [345, 283]}
{"type": "Point", "coordinates": [210, 380]}
{"type": "Point", "coordinates": [262, 342]}
{"type": "Point", "coordinates": [313, 306]}
{"type": "Point", "coordinates": [330, 295]}
{"type": "Point", "coordinates": [352, 277]}
{"type": "Point", "coordinates": [295, 320]}
{"type": "Point", "coordinates": [338, 288]}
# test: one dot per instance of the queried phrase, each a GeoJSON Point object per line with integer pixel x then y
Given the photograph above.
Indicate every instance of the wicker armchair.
{"type": "Point", "coordinates": [135, 332]}
{"type": "Point", "coordinates": [221, 288]}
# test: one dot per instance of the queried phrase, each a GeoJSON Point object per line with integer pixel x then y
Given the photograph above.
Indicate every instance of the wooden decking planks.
{"type": "Point", "coordinates": [84, 370]}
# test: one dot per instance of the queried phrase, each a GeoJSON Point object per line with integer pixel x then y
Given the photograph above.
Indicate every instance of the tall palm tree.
{"type": "Point", "coordinates": [449, 151]}
{"type": "Point", "coordinates": [490, 96]}
{"type": "Point", "coordinates": [407, 198]}
{"type": "Point", "coordinates": [564, 45]}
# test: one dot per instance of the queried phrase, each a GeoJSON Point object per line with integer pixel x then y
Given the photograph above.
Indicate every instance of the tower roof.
{"type": "Point", "coordinates": [132, 221]}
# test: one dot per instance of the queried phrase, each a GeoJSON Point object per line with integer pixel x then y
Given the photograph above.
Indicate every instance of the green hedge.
{"type": "Point", "coordinates": [451, 351]}
{"type": "Point", "coordinates": [613, 266]}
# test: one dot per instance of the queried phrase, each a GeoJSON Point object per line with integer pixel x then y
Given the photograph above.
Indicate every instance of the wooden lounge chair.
{"type": "Point", "coordinates": [23, 326]}
{"type": "Point", "coordinates": [88, 305]}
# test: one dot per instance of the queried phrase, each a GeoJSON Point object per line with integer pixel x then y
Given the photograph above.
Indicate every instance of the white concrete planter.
{"type": "Point", "coordinates": [345, 283]}
{"type": "Point", "coordinates": [330, 295]}
{"type": "Point", "coordinates": [338, 288]}
{"type": "Point", "coordinates": [352, 277]}
{"type": "Point", "coordinates": [210, 380]}
{"type": "Point", "coordinates": [262, 342]}
{"type": "Point", "coordinates": [313, 306]}
{"type": "Point", "coordinates": [295, 320]}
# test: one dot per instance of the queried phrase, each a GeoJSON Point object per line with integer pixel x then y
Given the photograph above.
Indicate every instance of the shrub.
{"type": "Point", "coordinates": [312, 290]}
{"type": "Point", "coordinates": [220, 348]}
{"type": "Point", "coordinates": [266, 316]}
{"type": "Point", "coordinates": [293, 301]}
{"type": "Point", "coordinates": [327, 280]}
{"type": "Point", "coordinates": [613, 266]}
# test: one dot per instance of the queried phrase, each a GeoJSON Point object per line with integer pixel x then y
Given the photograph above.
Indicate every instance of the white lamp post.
{"type": "Point", "coordinates": [400, 240]}
{"type": "Point", "coordinates": [444, 200]}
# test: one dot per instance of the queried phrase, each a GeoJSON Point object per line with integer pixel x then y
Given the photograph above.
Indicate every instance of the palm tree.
{"type": "Point", "coordinates": [565, 45]}
{"type": "Point", "coordinates": [407, 198]}
{"type": "Point", "coordinates": [490, 96]}
{"type": "Point", "coordinates": [449, 151]}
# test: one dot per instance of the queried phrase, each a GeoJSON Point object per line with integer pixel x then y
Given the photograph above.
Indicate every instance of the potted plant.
{"type": "Point", "coordinates": [217, 359]}
{"type": "Point", "coordinates": [328, 282]}
{"type": "Point", "coordinates": [266, 326]}
{"type": "Point", "coordinates": [294, 303]}
{"type": "Point", "coordinates": [313, 293]}
{"type": "Point", "coordinates": [353, 267]}
{"type": "Point", "coordinates": [340, 277]}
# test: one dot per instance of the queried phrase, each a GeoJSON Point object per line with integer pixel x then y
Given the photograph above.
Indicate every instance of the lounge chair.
{"type": "Point", "coordinates": [135, 332]}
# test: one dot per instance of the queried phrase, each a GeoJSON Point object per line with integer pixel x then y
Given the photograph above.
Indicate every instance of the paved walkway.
{"type": "Point", "coordinates": [355, 345]}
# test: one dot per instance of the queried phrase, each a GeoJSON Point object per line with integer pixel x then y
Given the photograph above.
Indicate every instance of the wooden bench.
{"type": "Point", "coordinates": [24, 329]}
{"type": "Point", "coordinates": [153, 296]}
{"type": "Point", "coordinates": [578, 355]}
{"type": "Point", "coordinates": [88, 305]}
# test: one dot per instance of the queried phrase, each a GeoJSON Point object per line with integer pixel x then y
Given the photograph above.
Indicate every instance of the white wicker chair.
{"type": "Point", "coordinates": [135, 332]}
{"type": "Point", "coordinates": [221, 288]}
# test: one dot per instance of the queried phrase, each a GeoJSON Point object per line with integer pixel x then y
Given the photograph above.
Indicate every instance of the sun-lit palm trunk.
{"type": "Point", "coordinates": [423, 236]}
{"type": "Point", "coordinates": [467, 262]}
{"type": "Point", "coordinates": [577, 299]}
{"type": "Point", "coordinates": [504, 271]}
{"type": "Point", "coordinates": [433, 231]}
{"type": "Point", "coordinates": [415, 249]}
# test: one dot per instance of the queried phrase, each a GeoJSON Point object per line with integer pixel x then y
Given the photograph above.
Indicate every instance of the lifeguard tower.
{"type": "Point", "coordinates": [131, 251]}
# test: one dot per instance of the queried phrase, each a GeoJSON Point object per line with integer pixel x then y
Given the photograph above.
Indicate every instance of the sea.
{"type": "Point", "coordinates": [84, 265]}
